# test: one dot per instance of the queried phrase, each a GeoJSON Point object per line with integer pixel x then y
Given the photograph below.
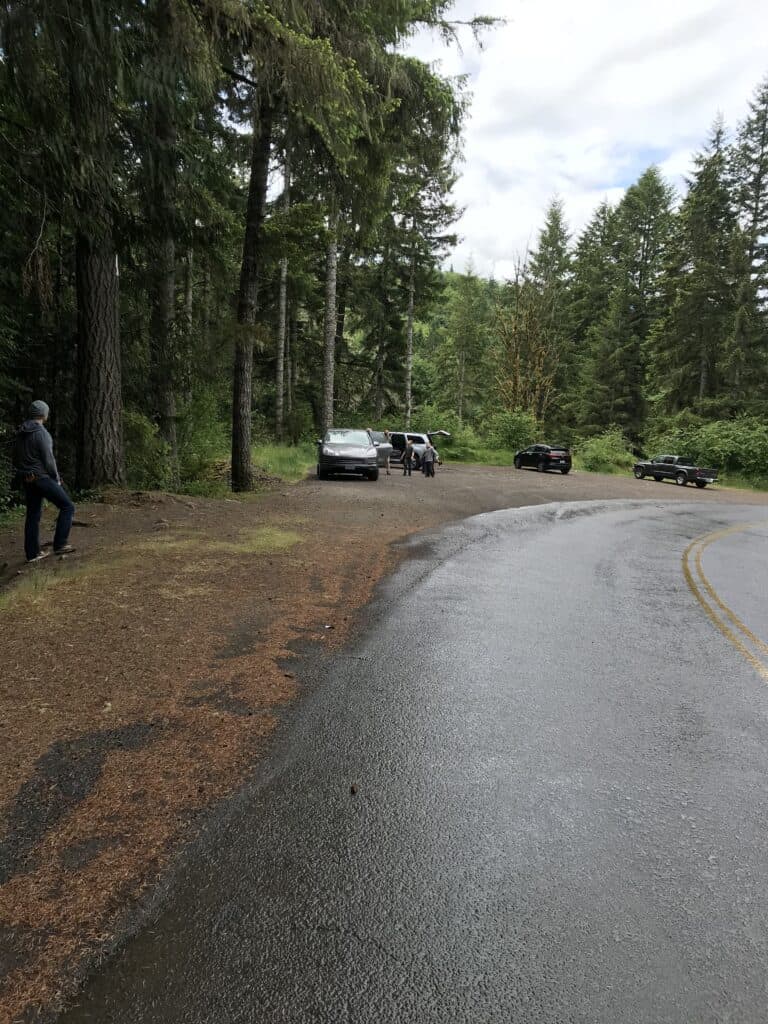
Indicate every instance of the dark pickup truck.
{"type": "Point", "coordinates": [679, 468]}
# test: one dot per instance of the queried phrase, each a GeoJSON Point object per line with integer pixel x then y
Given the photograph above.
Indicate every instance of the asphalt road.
{"type": "Point", "coordinates": [556, 723]}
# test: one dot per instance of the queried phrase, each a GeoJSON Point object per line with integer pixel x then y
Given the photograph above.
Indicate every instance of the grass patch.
{"type": "Point", "coordinates": [480, 455]}
{"type": "Point", "coordinates": [289, 462]}
{"type": "Point", "coordinates": [744, 483]}
{"type": "Point", "coordinates": [35, 586]}
{"type": "Point", "coordinates": [9, 516]}
{"type": "Point", "coordinates": [206, 489]}
{"type": "Point", "coordinates": [264, 540]}
{"type": "Point", "coordinates": [604, 468]}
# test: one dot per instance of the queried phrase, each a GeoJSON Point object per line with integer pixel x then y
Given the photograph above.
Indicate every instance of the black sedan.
{"type": "Point", "coordinates": [543, 457]}
{"type": "Point", "coordinates": [347, 451]}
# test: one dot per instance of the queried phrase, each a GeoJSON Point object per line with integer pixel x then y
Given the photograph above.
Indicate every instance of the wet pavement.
{"type": "Point", "coordinates": [535, 791]}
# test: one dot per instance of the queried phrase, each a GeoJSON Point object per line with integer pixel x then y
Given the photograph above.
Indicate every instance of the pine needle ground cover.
{"type": "Point", "coordinates": [144, 677]}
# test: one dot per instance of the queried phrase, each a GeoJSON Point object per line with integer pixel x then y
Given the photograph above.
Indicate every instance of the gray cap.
{"type": "Point", "coordinates": [38, 410]}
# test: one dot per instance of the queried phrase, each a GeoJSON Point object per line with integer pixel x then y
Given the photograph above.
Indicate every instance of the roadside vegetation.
{"type": "Point", "coordinates": [229, 341]}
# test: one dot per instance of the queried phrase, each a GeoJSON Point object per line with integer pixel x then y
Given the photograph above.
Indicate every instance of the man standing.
{"type": "Point", "coordinates": [428, 458]}
{"type": "Point", "coordinates": [36, 467]}
{"type": "Point", "coordinates": [408, 458]}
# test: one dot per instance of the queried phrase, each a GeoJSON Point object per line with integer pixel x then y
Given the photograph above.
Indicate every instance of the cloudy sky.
{"type": "Point", "coordinates": [577, 99]}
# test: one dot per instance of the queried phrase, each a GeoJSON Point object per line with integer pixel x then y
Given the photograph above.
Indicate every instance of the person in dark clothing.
{"type": "Point", "coordinates": [408, 458]}
{"type": "Point", "coordinates": [428, 459]}
{"type": "Point", "coordinates": [37, 470]}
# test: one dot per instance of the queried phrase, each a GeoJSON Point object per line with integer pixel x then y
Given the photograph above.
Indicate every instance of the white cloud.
{"type": "Point", "coordinates": [578, 100]}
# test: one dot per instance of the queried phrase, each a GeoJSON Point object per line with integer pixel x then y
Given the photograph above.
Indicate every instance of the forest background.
{"type": "Point", "coordinates": [225, 226]}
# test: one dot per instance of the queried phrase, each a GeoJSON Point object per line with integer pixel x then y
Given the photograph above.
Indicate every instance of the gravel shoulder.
{"type": "Point", "coordinates": [145, 675]}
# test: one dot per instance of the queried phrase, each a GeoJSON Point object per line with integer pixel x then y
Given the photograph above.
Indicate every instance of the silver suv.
{"type": "Point", "coordinates": [420, 441]}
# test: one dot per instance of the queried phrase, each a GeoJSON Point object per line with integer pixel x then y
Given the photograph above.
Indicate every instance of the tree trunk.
{"type": "Point", "coordinates": [378, 394]}
{"type": "Point", "coordinates": [99, 372]}
{"type": "Point", "coordinates": [330, 321]}
{"type": "Point", "coordinates": [288, 356]}
{"type": "Point", "coordinates": [162, 346]}
{"type": "Point", "coordinates": [282, 344]}
{"type": "Point", "coordinates": [247, 303]}
{"type": "Point", "coordinates": [703, 374]}
{"type": "Point", "coordinates": [162, 217]}
{"type": "Point", "coordinates": [100, 408]}
{"type": "Point", "coordinates": [204, 314]}
{"type": "Point", "coordinates": [293, 369]}
{"type": "Point", "coordinates": [409, 346]}
{"type": "Point", "coordinates": [282, 313]}
{"type": "Point", "coordinates": [188, 320]}
{"type": "Point", "coordinates": [460, 388]}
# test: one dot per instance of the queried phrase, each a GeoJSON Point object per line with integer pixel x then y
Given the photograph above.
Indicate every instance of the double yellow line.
{"type": "Point", "coordinates": [726, 620]}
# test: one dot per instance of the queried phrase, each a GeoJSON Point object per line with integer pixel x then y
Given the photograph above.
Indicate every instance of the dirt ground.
{"type": "Point", "coordinates": [142, 676]}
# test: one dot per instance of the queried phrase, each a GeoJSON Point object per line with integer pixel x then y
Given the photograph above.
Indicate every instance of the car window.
{"type": "Point", "coordinates": [347, 437]}
{"type": "Point", "coordinates": [397, 440]}
{"type": "Point", "coordinates": [685, 461]}
{"type": "Point", "coordinates": [417, 438]}
{"type": "Point", "coordinates": [669, 460]}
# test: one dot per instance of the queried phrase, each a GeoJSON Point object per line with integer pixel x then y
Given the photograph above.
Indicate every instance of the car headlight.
{"type": "Point", "coordinates": [327, 451]}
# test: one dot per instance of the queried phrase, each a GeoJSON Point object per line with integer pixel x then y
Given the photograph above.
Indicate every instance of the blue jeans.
{"type": "Point", "coordinates": [36, 492]}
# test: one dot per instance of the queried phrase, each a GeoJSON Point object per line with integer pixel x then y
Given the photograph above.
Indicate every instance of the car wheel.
{"type": "Point", "coordinates": [542, 467]}
{"type": "Point", "coordinates": [681, 479]}
{"type": "Point", "coordinates": [565, 472]}
{"type": "Point", "coordinates": [657, 478]}
{"type": "Point", "coordinates": [373, 474]}
{"type": "Point", "coordinates": [701, 484]}
{"type": "Point", "coordinates": [518, 463]}
{"type": "Point", "coordinates": [639, 474]}
{"type": "Point", "coordinates": [321, 474]}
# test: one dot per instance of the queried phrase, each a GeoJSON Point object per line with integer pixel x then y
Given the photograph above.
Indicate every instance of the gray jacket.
{"type": "Point", "coordinates": [33, 451]}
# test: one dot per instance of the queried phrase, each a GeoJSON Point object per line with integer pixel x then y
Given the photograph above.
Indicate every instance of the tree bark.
{"type": "Point", "coordinates": [288, 356]}
{"type": "Point", "coordinates": [293, 369]}
{"type": "Point", "coordinates": [378, 394]}
{"type": "Point", "coordinates": [409, 346]}
{"type": "Point", "coordinates": [99, 373]}
{"type": "Point", "coordinates": [188, 320]}
{"type": "Point", "coordinates": [248, 302]}
{"type": "Point", "coordinates": [703, 374]}
{"type": "Point", "coordinates": [162, 320]}
{"type": "Point", "coordinates": [162, 346]}
{"type": "Point", "coordinates": [282, 306]}
{"type": "Point", "coordinates": [100, 411]}
{"type": "Point", "coordinates": [330, 321]}
{"type": "Point", "coordinates": [460, 388]}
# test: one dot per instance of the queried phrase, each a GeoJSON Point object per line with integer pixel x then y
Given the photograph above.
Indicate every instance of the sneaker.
{"type": "Point", "coordinates": [39, 557]}
{"type": "Point", "coordinates": [66, 550]}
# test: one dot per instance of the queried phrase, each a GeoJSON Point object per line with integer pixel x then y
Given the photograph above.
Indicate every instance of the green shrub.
{"type": "Point", "coordinates": [512, 430]}
{"type": "Point", "coordinates": [737, 446]}
{"type": "Point", "coordinates": [204, 438]}
{"type": "Point", "coordinates": [608, 452]}
{"type": "Point", "coordinates": [146, 454]}
{"type": "Point", "coordinates": [289, 462]}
